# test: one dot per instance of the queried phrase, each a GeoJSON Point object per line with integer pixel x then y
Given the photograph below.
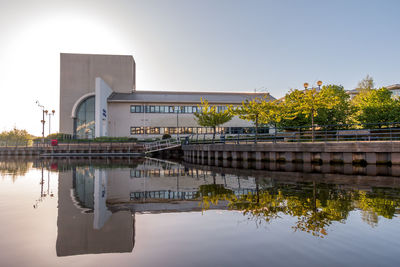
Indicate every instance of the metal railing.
{"type": "Point", "coordinates": [322, 133]}
{"type": "Point", "coordinates": [162, 145]}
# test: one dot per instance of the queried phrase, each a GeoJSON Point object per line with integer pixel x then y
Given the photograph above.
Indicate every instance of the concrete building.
{"type": "Point", "coordinates": [98, 97]}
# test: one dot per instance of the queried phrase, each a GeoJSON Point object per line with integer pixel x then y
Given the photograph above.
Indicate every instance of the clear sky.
{"type": "Point", "coordinates": [215, 45]}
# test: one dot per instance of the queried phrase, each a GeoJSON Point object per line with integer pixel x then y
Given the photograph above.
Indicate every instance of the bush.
{"type": "Point", "coordinates": [166, 136]}
{"type": "Point", "coordinates": [59, 136]}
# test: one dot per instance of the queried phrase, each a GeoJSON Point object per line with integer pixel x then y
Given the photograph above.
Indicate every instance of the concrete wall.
{"type": "Point", "coordinates": [330, 152]}
{"type": "Point", "coordinates": [77, 78]}
{"type": "Point", "coordinates": [121, 119]}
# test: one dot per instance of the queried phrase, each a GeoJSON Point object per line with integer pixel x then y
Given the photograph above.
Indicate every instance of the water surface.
{"type": "Point", "coordinates": [148, 212]}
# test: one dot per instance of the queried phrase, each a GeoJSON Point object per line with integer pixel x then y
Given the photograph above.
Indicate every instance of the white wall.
{"type": "Point", "coordinates": [121, 119]}
{"type": "Point", "coordinates": [103, 91]}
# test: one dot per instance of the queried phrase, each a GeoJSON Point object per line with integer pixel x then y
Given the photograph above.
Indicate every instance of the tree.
{"type": "Point", "coordinates": [15, 137]}
{"type": "Point", "coordinates": [305, 105]}
{"type": "Point", "coordinates": [290, 110]}
{"type": "Point", "coordinates": [251, 110]}
{"type": "Point", "coordinates": [366, 84]}
{"type": "Point", "coordinates": [376, 106]}
{"type": "Point", "coordinates": [272, 114]}
{"type": "Point", "coordinates": [208, 116]}
{"type": "Point", "coordinates": [339, 112]}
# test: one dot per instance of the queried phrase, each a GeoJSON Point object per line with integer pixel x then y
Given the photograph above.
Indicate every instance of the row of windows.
{"type": "Point", "coordinates": [196, 130]}
{"type": "Point", "coordinates": [163, 194]}
{"type": "Point", "coordinates": [168, 109]}
{"type": "Point", "coordinates": [157, 173]}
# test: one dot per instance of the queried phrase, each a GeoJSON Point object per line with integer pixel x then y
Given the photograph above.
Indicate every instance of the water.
{"type": "Point", "coordinates": [147, 212]}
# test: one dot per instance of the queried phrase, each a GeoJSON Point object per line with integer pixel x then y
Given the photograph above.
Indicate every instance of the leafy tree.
{"type": "Point", "coordinates": [376, 106]}
{"type": "Point", "coordinates": [252, 110]}
{"type": "Point", "coordinates": [303, 106]}
{"type": "Point", "coordinates": [290, 110]}
{"type": "Point", "coordinates": [208, 116]}
{"type": "Point", "coordinates": [272, 114]}
{"type": "Point", "coordinates": [15, 137]}
{"type": "Point", "coordinates": [366, 84]}
{"type": "Point", "coordinates": [339, 112]}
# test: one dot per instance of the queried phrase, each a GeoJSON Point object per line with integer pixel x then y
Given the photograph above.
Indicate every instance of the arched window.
{"type": "Point", "coordinates": [84, 121]}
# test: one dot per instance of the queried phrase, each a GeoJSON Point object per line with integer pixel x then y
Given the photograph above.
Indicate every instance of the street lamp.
{"type": "Point", "coordinates": [319, 83]}
{"type": "Point", "coordinates": [50, 114]}
{"type": "Point", "coordinates": [42, 121]}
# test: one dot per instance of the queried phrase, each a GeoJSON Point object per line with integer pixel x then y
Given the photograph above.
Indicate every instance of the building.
{"type": "Point", "coordinates": [98, 97]}
{"type": "Point", "coordinates": [394, 88]}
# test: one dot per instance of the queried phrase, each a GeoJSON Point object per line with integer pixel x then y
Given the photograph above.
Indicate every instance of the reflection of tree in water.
{"type": "Point", "coordinates": [212, 193]}
{"type": "Point", "coordinates": [14, 168]}
{"type": "Point", "coordinates": [316, 206]}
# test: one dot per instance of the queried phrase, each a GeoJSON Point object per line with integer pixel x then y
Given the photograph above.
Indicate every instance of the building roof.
{"type": "Point", "coordinates": [352, 92]}
{"type": "Point", "coordinates": [393, 86]}
{"type": "Point", "coordinates": [185, 97]}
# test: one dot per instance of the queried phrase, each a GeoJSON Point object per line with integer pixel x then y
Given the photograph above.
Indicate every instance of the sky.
{"type": "Point", "coordinates": [208, 45]}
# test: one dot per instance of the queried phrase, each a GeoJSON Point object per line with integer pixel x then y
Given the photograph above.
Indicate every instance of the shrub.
{"type": "Point", "coordinates": [166, 136]}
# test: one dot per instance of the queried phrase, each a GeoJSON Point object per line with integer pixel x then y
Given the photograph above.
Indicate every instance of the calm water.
{"type": "Point", "coordinates": [147, 212]}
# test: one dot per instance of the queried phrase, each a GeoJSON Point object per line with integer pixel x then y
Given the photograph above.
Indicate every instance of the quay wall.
{"type": "Point", "coordinates": [74, 149]}
{"type": "Point", "coordinates": [318, 152]}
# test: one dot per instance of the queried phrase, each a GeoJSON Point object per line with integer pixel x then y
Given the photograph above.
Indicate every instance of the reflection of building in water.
{"type": "Point", "coordinates": [163, 180]}
{"type": "Point", "coordinates": [85, 222]}
{"type": "Point", "coordinates": [85, 226]}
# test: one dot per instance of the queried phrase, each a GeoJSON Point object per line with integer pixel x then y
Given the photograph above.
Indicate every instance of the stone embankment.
{"type": "Point", "coordinates": [319, 152]}
{"type": "Point", "coordinates": [65, 150]}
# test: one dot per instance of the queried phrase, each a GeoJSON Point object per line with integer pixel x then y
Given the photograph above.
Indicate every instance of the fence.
{"type": "Point", "coordinates": [322, 133]}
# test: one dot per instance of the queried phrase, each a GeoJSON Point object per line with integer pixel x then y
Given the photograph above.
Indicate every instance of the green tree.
{"type": "Point", "coordinates": [252, 110]}
{"type": "Point", "coordinates": [339, 112]}
{"type": "Point", "coordinates": [15, 137]}
{"type": "Point", "coordinates": [376, 106]}
{"type": "Point", "coordinates": [272, 114]}
{"type": "Point", "coordinates": [303, 106]}
{"type": "Point", "coordinates": [290, 110]}
{"type": "Point", "coordinates": [208, 116]}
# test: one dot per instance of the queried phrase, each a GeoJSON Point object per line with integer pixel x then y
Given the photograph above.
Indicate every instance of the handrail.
{"type": "Point", "coordinates": [161, 145]}
{"type": "Point", "coordinates": [320, 135]}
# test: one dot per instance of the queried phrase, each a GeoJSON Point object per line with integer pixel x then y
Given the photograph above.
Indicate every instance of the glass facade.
{"type": "Point", "coordinates": [84, 122]}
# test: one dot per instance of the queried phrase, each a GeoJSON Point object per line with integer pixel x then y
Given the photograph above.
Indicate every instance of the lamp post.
{"type": "Point", "coordinates": [42, 121]}
{"type": "Point", "coordinates": [319, 83]}
{"type": "Point", "coordinates": [50, 114]}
